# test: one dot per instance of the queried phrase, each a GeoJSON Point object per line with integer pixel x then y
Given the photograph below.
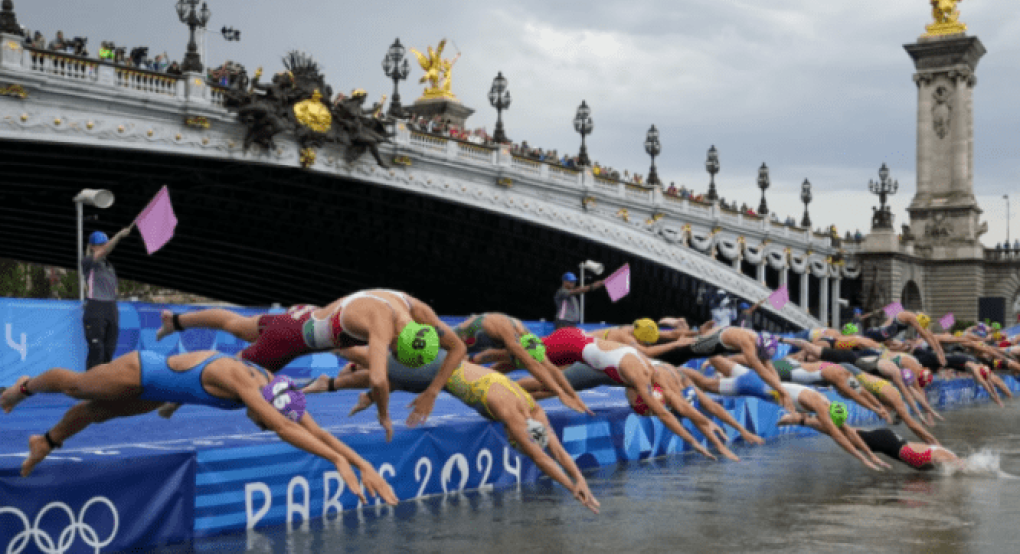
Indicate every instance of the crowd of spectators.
{"type": "Point", "coordinates": [137, 57]}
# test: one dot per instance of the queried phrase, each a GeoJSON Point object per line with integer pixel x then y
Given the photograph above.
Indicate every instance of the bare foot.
{"type": "Point", "coordinates": [166, 411]}
{"type": "Point", "coordinates": [364, 401]}
{"type": "Point", "coordinates": [12, 396]}
{"type": "Point", "coordinates": [320, 384]}
{"type": "Point", "coordinates": [166, 328]}
{"type": "Point", "coordinates": [38, 449]}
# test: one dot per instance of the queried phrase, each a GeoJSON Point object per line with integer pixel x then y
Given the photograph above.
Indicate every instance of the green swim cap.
{"type": "Point", "coordinates": [996, 325]}
{"type": "Point", "coordinates": [850, 329]}
{"type": "Point", "coordinates": [534, 346]}
{"type": "Point", "coordinates": [838, 413]}
{"type": "Point", "coordinates": [417, 344]}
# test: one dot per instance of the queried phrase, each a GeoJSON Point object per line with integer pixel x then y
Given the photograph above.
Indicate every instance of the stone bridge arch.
{"type": "Point", "coordinates": [911, 298]}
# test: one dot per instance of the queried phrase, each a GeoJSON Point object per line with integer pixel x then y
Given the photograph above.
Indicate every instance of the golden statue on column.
{"type": "Point", "coordinates": [947, 19]}
{"type": "Point", "coordinates": [438, 72]}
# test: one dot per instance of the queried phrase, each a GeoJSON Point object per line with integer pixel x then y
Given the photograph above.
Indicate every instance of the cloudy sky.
{"type": "Point", "coordinates": [816, 89]}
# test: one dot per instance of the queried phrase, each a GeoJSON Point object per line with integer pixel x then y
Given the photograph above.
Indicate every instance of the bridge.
{"type": "Point", "coordinates": [460, 225]}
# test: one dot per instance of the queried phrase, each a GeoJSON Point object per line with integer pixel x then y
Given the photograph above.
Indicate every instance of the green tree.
{"type": "Point", "coordinates": [39, 282]}
{"type": "Point", "coordinates": [12, 279]}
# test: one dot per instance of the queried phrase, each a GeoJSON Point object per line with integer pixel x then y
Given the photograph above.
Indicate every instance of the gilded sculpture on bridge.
{"type": "Point", "coordinates": [947, 19]}
{"type": "Point", "coordinates": [294, 102]}
{"type": "Point", "coordinates": [438, 72]}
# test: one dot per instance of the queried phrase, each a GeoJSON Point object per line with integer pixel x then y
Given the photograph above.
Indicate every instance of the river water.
{"type": "Point", "coordinates": [793, 495]}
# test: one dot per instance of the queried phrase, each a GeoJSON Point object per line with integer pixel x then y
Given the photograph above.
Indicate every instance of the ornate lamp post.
{"type": "Point", "coordinates": [712, 166]}
{"type": "Point", "coordinates": [500, 99]}
{"type": "Point", "coordinates": [397, 71]}
{"type": "Point", "coordinates": [190, 15]}
{"type": "Point", "coordinates": [805, 197]}
{"type": "Point", "coordinates": [763, 183]}
{"type": "Point", "coordinates": [583, 124]}
{"type": "Point", "coordinates": [8, 21]}
{"type": "Point", "coordinates": [882, 217]}
{"type": "Point", "coordinates": [653, 148]}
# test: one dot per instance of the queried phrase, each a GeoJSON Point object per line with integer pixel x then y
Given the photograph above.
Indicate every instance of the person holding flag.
{"type": "Point", "coordinates": [99, 314]}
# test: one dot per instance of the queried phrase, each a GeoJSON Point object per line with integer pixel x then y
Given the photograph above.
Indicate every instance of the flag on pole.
{"type": "Point", "coordinates": [157, 221]}
{"type": "Point", "coordinates": [893, 309]}
{"type": "Point", "coordinates": [947, 321]}
{"type": "Point", "coordinates": [618, 284]}
{"type": "Point", "coordinates": [780, 298]}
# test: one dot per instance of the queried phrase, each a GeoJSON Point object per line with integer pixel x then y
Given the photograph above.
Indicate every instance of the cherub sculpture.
{"type": "Point", "coordinates": [437, 71]}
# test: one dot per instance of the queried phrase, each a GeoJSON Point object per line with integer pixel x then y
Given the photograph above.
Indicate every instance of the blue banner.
{"type": "Point", "coordinates": [109, 505]}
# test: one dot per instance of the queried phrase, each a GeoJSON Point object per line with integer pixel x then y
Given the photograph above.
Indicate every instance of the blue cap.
{"type": "Point", "coordinates": [744, 305]}
{"type": "Point", "coordinates": [98, 238]}
{"type": "Point", "coordinates": [857, 311]}
{"type": "Point", "coordinates": [568, 276]}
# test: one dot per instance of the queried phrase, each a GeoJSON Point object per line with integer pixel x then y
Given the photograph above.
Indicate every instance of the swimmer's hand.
{"type": "Point", "coordinates": [584, 496]}
{"type": "Point", "coordinates": [751, 438]}
{"type": "Point", "coordinates": [703, 451]}
{"type": "Point", "coordinates": [576, 404]}
{"type": "Point", "coordinates": [343, 467]}
{"type": "Point", "coordinates": [421, 407]}
{"type": "Point", "coordinates": [376, 486]}
{"type": "Point", "coordinates": [387, 425]}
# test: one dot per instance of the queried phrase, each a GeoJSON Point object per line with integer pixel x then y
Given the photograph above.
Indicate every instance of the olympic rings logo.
{"type": "Point", "coordinates": [44, 541]}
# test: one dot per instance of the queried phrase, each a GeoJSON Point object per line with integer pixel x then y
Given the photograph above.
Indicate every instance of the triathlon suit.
{"type": "Point", "coordinates": [284, 337]}
{"type": "Point", "coordinates": [790, 371]}
{"type": "Point", "coordinates": [472, 393]}
{"type": "Point", "coordinates": [472, 332]}
{"type": "Point", "coordinates": [161, 383]}
{"type": "Point", "coordinates": [886, 441]}
{"type": "Point", "coordinates": [569, 345]}
{"type": "Point", "coordinates": [704, 347]}
{"type": "Point", "coordinates": [882, 334]}
{"type": "Point", "coordinates": [927, 358]}
{"type": "Point", "coordinates": [842, 343]}
{"type": "Point", "coordinates": [582, 376]}
{"type": "Point", "coordinates": [794, 391]}
{"type": "Point", "coordinates": [810, 335]}
{"type": "Point", "coordinates": [745, 382]}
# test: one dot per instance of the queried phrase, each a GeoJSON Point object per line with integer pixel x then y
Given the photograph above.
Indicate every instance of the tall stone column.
{"type": "Point", "coordinates": [804, 290]}
{"type": "Point", "coordinates": [823, 300]}
{"type": "Point", "coordinates": [944, 213]}
{"type": "Point", "coordinates": [761, 271]}
{"type": "Point", "coordinates": [835, 303]}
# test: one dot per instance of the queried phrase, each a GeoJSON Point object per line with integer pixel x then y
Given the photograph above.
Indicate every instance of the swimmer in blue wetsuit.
{"type": "Point", "coordinates": [140, 382]}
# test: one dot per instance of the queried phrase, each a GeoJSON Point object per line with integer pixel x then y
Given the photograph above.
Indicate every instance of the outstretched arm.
{"type": "Point", "coordinates": [566, 461]}
{"type": "Point", "coordinates": [374, 483]}
{"type": "Point", "coordinates": [456, 351]}
{"type": "Point", "coordinates": [723, 414]}
{"type": "Point", "coordinates": [104, 250]}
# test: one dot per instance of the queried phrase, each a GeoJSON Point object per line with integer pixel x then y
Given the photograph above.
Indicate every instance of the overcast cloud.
{"type": "Point", "coordinates": [816, 89]}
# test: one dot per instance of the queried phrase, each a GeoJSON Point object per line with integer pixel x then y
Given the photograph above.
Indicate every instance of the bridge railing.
{"type": "Point", "coordinates": [1002, 255]}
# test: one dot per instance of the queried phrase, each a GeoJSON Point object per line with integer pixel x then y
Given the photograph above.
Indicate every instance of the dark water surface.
{"type": "Point", "coordinates": [793, 495]}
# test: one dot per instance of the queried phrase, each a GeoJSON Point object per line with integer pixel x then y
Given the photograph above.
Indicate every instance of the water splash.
{"type": "Point", "coordinates": [983, 463]}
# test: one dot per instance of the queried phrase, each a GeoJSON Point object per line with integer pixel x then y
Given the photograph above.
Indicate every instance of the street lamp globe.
{"type": "Point", "coordinates": [182, 10]}
{"type": "Point", "coordinates": [204, 15]}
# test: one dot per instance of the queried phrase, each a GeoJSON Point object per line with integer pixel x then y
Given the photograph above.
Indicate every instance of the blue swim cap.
{"type": "Point", "coordinates": [568, 276]}
{"type": "Point", "coordinates": [857, 311]}
{"type": "Point", "coordinates": [98, 238]}
{"type": "Point", "coordinates": [744, 305]}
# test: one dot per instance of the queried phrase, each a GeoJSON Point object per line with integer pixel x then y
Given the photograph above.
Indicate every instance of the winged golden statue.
{"type": "Point", "coordinates": [438, 72]}
{"type": "Point", "coordinates": [947, 19]}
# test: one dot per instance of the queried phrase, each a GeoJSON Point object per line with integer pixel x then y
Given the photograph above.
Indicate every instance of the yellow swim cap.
{"type": "Point", "coordinates": [924, 320]}
{"type": "Point", "coordinates": [646, 331]}
{"type": "Point", "coordinates": [958, 334]}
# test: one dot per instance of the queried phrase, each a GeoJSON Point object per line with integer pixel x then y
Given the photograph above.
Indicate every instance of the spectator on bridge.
{"type": "Point", "coordinates": [858, 236]}
{"type": "Point", "coordinates": [100, 312]}
{"type": "Point", "coordinates": [160, 63]}
{"type": "Point", "coordinates": [58, 43]}
{"type": "Point", "coordinates": [568, 309]}
{"type": "Point", "coordinates": [174, 69]}
{"type": "Point", "coordinates": [106, 51]}
{"type": "Point", "coordinates": [39, 41]}
{"type": "Point", "coordinates": [1016, 244]}
{"type": "Point", "coordinates": [671, 190]}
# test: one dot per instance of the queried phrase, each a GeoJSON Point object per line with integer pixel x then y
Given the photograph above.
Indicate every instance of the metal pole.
{"type": "Point", "coordinates": [581, 266]}
{"type": "Point", "coordinates": [81, 278]}
{"type": "Point", "coordinates": [1006, 196]}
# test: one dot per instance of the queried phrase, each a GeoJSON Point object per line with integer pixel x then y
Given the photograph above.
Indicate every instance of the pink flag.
{"type": "Point", "coordinates": [947, 321]}
{"type": "Point", "coordinates": [618, 284]}
{"type": "Point", "coordinates": [780, 298]}
{"type": "Point", "coordinates": [157, 221]}
{"type": "Point", "coordinates": [892, 309]}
